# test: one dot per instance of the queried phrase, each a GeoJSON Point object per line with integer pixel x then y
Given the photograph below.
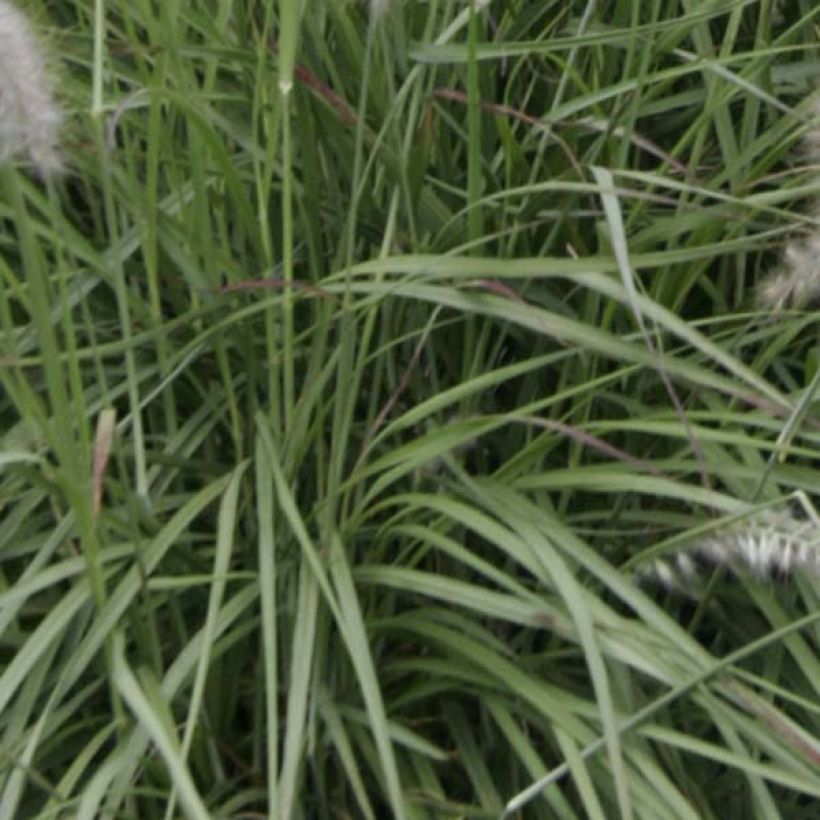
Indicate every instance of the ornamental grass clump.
{"type": "Point", "coordinates": [335, 424]}
{"type": "Point", "coordinates": [30, 117]}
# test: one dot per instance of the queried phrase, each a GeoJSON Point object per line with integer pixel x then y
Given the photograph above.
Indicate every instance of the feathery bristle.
{"type": "Point", "coordinates": [769, 547]}
{"type": "Point", "coordinates": [30, 118]}
{"type": "Point", "coordinates": [796, 281]}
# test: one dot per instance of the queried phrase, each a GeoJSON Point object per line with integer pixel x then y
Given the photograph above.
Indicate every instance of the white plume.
{"type": "Point", "coordinates": [769, 546]}
{"type": "Point", "coordinates": [29, 116]}
{"type": "Point", "coordinates": [796, 282]}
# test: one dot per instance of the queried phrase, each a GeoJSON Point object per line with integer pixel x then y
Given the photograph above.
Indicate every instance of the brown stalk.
{"type": "Point", "coordinates": [587, 122]}
{"type": "Point", "coordinates": [273, 284]}
{"type": "Point", "coordinates": [106, 422]}
{"type": "Point", "coordinates": [343, 109]}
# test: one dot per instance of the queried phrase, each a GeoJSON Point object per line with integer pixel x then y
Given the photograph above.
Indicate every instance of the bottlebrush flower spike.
{"type": "Point", "coordinates": [769, 546]}
{"type": "Point", "coordinates": [29, 116]}
{"type": "Point", "coordinates": [796, 282]}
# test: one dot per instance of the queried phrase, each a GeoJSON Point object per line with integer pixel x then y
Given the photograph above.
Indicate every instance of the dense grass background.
{"type": "Point", "coordinates": [423, 333]}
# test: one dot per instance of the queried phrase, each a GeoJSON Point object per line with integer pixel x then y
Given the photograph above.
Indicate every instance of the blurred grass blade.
{"type": "Point", "coordinates": [151, 713]}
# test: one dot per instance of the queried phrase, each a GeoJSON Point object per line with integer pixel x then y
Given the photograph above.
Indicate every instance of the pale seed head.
{"type": "Point", "coordinates": [30, 119]}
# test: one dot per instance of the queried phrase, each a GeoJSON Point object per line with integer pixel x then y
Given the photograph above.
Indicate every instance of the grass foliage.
{"type": "Point", "coordinates": [350, 373]}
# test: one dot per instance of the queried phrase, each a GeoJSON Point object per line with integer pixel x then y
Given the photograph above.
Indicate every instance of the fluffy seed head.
{"type": "Point", "coordinates": [796, 281]}
{"type": "Point", "coordinates": [29, 117]}
{"type": "Point", "coordinates": [769, 547]}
